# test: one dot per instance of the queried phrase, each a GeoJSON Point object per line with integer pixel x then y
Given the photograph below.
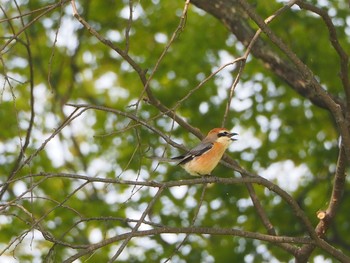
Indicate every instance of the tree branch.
{"type": "Point", "coordinates": [192, 230]}
{"type": "Point", "coordinates": [333, 37]}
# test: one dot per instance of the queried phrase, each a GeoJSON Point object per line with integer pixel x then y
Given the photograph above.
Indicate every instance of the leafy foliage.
{"type": "Point", "coordinates": [88, 98]}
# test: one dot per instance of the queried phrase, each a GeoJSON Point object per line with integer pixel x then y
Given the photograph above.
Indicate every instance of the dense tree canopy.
{"type": "Point", "coordinates": [92, 90]}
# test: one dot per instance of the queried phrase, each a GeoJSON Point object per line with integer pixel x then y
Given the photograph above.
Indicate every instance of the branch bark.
{"type": "Point", "coordinates": [234, 15]}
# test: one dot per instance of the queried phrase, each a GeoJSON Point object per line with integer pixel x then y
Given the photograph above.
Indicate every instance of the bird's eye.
{"type": "Point", "coordinates": [224, 133]}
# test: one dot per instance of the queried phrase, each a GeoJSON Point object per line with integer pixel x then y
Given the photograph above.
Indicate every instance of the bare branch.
{"type": "Point", "coordinates": [138, 224]}
{"type": "Point", "coordinates": [343, 56]}
{"type": "Point", "coordinates": [247, 52]}
{"type": "Point", "coordinates": [30, 158]}
{"type": "Point", "coordinates": [195, 230]}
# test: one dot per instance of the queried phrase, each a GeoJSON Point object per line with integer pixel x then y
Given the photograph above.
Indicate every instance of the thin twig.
{"type": "Point", "coordinates": [246, 54]}
{"type": "Point", "coordinates": [47, 10]}
{"type": "Point", "coordinates": [138, 224]}
{"type": "Point", "coordinates": [27, 161]}
{"type": "Point", "coordinates": [128, 27]}
{"type": "Point", "coordinates": [311, 83]}
{"type": "Point", "coordinates": [192, 224]}
{"type": "Point", "coordinates": [176, 33]}
{"type": "Point", "coordinates": [333, 36]}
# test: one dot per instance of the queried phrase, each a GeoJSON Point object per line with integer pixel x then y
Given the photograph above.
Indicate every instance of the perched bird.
{"type": "Point", "coordinates": [202, 159]}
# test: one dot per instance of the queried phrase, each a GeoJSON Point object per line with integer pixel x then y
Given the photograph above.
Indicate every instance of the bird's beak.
{"type": "Point", "coordinates": [233, 134]}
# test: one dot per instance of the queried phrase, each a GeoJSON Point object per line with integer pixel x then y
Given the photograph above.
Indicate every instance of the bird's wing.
{"type": "Point", "coordinates": [196, 151]}
{"type": "Point", "coordinates": [162, 159]}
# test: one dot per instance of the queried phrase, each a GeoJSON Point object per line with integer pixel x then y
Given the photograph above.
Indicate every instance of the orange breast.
{"type": "Point", "coordinates": [205, 164]}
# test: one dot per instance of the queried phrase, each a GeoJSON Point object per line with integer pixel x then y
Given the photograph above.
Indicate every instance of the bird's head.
{"type": "Point", "coordinates": [221, 135]}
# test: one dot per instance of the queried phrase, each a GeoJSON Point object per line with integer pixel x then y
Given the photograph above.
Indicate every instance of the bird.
{"type": "Point", "coordinates": [202, 159]}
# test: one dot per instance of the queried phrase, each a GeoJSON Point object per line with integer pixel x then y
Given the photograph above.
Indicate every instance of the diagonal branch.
{"type": "Point", "coordinates": [192, 224]}
{"type": "Point", "coordinates": [326, 217]}
{"type": "Point", "coordinates": [138, 224]}
{"type": "Point", "coordinates": [333, 37]}
{"type": "Point", "coordinates": [69, 119]}
{"type": "Point", "coordinates": [311, 87]}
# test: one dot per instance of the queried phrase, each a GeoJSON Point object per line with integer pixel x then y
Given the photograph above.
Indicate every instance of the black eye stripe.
{"type": "Point", "coordinates": [221, 134]}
